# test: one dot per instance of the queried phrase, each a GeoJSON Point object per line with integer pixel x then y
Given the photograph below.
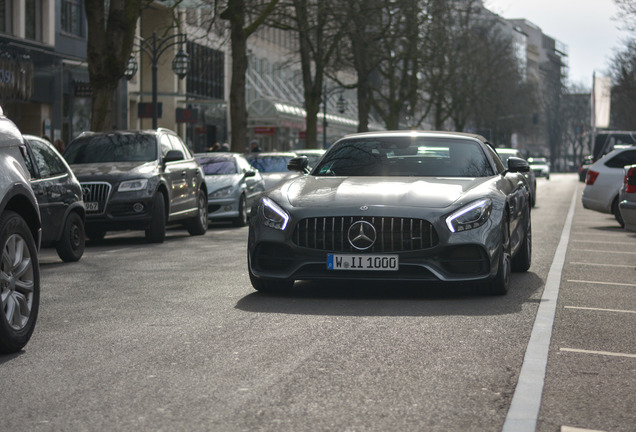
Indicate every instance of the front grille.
{"type": "Point", "coordinates": [97, 192]}
{"type": "Point", "coordinates": [393, 234]}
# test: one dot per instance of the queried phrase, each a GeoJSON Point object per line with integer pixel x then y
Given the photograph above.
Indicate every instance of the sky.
{"type": "Point", "coordinates": [588, 28]}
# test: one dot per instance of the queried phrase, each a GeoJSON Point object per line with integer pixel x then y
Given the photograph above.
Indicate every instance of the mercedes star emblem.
{"type": "Point", "coordinates": [361, 235]}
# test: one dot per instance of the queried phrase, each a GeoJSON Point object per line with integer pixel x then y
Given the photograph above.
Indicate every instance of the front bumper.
{"type": "Point", "coordinates": [223, 208]}
{"type": "Point", "coordinates": [471, 255]}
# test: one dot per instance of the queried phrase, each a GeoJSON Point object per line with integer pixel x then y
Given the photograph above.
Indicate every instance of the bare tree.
{"type": "Point", "coordinates": [111, 34]}
{"type": "Point", "coordinates": [623, 114]}
{"type": "Point", "coordinates": [238, 13]}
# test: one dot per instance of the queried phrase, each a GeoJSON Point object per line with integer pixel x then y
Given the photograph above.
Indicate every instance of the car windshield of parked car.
{"type": "Point", "coordinates": [268, 164]}
{"type": "Point", "coordinates": [217, 165]}
{"type": "Point", "coordinates": [112, 148]}
{"type": "Point", "coordinates": [405, 156]}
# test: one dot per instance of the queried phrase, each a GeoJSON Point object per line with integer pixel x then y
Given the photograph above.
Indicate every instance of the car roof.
{"type": "Point", "coordinates": [507, 150]}
{"type": "Point", "coordinates": [417, 133]}
{"type": "Point", "coordinates": [218, 154]}
{"type": "Point", "coordinates": [269, 154]}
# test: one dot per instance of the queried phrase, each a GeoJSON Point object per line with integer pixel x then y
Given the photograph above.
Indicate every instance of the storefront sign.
{"type": "Point", "coordinates": [264, 130]}
{"type": "Point", "coordinates": [144, 110]}
{"type": "Point", "coordinates": [187, 115]}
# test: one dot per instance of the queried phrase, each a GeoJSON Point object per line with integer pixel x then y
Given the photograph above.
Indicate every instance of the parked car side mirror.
{"type": "Point", "coordinates": [173, 155]}
{"type": "Point", "coordinates": [298, 163]}
{"type": "Point", "coordinates": [518, 165]}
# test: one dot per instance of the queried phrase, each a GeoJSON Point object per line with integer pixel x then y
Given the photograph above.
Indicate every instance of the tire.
{"type": "Point", "coordinates": [70, 248]}
{"type": "Point", "coordinates": [199, 224]}
{"type": "Point", "coordinates": [19, 283]}
{"type": "Point", "coordinates": [270, 286]}
{"type": "Point", "coordinates": [500, 284]}
{"type": "Point", "coordinates": [522, 261]}
{"type": "Point", "coordinates": [617, 213]}
{"type": "Point", "coordinates": [94, 233]}
{"type": "Point", "coordinates": [157, 231]}
{"type": "Point", "coordinates": [241, 220]}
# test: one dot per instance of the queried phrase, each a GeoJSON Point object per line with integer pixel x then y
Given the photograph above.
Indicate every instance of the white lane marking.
{"type": "Point", "coordinates": [599, 309]}
{"type": "Point", "coordinates": [575, 429]}
{"type": "Point", "coordinates": [526, 401]}
{"type": "Point", "coordinates": [596, 251]}
{"type": "Point", "coordinates": [603, 242]}
{"type": "Point", "coordinates": [601, 283]}
{"type": "Point", "coordinates": [604, 353]}
{"type": "Point", "coordinates": [603, 265]}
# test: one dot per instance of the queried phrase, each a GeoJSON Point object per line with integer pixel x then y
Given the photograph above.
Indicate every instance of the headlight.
{"type": "Point", "coordinates": [222, 192]}
{"type": "Point", "coordinates": [132, 185]}
{"type": "Point", "coordinates": [272, 215]}
{"type": "Point", "coordinates": [470, 216]}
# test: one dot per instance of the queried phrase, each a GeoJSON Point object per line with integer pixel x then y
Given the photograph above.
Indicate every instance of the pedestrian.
{"type": "Point", "coordinates": [59, 145]}
{"type": "Point", "coordinates": [254, 147]}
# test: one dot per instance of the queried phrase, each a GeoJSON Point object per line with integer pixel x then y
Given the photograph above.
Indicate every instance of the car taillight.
{"type": "Point", "coordinates": [591, 177]}
{"type": "Point", "coordinates": [630, 180]}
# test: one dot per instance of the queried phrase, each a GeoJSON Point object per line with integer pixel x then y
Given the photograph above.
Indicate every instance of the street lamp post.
{"type": "Point", "coordinates": [155, 47]}
{"type": "Point", "coordinates": [341, 104]}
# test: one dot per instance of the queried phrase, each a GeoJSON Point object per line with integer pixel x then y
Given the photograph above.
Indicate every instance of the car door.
{"type": "Point", "coordinates": [254, 185]}
{"type": "Point", "coordinates": [53, 187]}
{"type": "Point", "coordinates": [190, 178]}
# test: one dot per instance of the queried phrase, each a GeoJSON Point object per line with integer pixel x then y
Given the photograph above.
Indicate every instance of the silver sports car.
{"type": "Point", "coordinates": [403, 205]}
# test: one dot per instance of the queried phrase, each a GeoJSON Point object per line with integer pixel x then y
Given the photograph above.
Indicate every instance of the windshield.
{"type": "Point", "coordinates": [405, 156]}
{"type": "Point", "coordinates": [112, 148]}
{"type": "Point", "coordinates": [267, 164]}
{"type": "Point", "coordinates": [217, 165]}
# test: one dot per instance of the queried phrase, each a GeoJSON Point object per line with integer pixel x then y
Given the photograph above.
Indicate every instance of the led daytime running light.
{"type": "Point", "coordinates": [478, 204]}
{"type": "Point", "coordinates": [279, 211]}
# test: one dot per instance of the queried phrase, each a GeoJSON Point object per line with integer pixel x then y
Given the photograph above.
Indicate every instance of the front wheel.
{"type": "Point", "coordinates": [157, 231]}
{"type": "Point", "coordinates": [500, 284]}
{"type": "Point", "coordinates": [522, 261]}
{"type": "Point", "coordinates": [70, 248]}
{"type": "Point", "coordinates": [241, 219]}
{"type": "Point", "coordinates": [199, 224]}
{"type": "Point", "coordinates": [19, 283]}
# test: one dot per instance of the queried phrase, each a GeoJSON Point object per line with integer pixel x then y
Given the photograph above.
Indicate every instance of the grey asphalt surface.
{"type": "Point", "coordinates": [173, 337]}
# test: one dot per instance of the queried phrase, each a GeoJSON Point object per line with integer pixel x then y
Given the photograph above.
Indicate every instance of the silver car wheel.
{"type": "Point", "coordinates": [16, 282]}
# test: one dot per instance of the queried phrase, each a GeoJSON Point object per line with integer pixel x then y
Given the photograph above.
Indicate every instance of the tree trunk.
{"type": "Point", "coordinates": [238, 108]}
{"type": "Point", "coordinates": [109, 44]}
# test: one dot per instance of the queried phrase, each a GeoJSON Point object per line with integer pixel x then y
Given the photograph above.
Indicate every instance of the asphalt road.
{"type": "Point", "coordinates": [173, 337]}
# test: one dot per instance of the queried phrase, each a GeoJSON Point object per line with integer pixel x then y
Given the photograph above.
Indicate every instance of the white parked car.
{"type": "Point", "coordinates": [540, 166]}
{"type": "Point", "coordinates": [604, 180]}
{"type": "Point", "coordinates": [627, 198]}
{"type": "Point", "coordinates": [232, 186]}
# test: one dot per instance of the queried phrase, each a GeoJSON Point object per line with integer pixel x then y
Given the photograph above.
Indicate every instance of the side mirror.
{"type": "Point", "coordinates": [298, 163]}
{"type": "Point", "coordinates": [518, 165]}
{"type": "Point", "coordinates": [173, 155]}
{"type": "Point", "coordinates": [250, 174]}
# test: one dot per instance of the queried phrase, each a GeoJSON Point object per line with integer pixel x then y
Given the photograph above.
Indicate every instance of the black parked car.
{"type": "Point", "coordinates": [19, 240]}
{"type": "Point", "coordinates": [59, 196]}
{"type": "Point", "coordinates": [138, 180]}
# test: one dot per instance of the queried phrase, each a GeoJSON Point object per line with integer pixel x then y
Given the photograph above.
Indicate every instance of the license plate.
{"type": "Point", "coordinates": [91, 206]}
{"type": "Point", "coordinates": [362, 262]}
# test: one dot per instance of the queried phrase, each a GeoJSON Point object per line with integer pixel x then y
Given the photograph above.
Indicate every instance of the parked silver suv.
{"type": "Point", "coordinates": [20, 233]}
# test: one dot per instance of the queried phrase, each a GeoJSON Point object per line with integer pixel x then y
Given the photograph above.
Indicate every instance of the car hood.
{"type": "Point", "coordinates": [215, 182]}
{"type": "Point", "coordinates": [94, 171]}
{"type": "Point", "coordinates": [271, 179]}
{"type": "Point", "coordinates": [310, 191]}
